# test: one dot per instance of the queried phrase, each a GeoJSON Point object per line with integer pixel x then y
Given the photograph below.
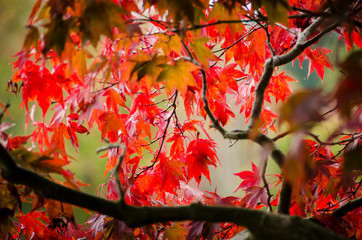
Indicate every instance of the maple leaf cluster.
{"type": "Point", "coordinates": [154, 78]}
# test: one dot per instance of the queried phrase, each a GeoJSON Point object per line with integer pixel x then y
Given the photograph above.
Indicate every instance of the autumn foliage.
{"type": "Point", "coordinates": [155, 78]}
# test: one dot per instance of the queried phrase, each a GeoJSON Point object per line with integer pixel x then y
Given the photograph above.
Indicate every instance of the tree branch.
{"type": "Point", "coordinates": [348, 207]}
{"type": "Point", "coordinates": [275, 61]}
{"type": "Point", "coordinates": [19, 175]}
{"type": "Point", "coordinates": [214, 121]}
{"type": "Point", "coordinates": [301, 44]}
{"type": "Point", "coordinates": [274, 226]}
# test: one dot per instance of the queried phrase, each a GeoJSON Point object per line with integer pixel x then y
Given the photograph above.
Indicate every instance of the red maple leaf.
{"type": "Point", "coordinates": [177, 144]}
{"type": "Point", "coordinates": [170, 172]}
{"type": "Point", "coordinates": [318, 60]}
{"type": "Point", "coordinates": [40, 85]}
{"type": "Point", "coordinates": [200, 154]}
{"type": "Point", "coordinates": [279, 87]}
{"type": "Point", "coordinates": [250, 178]}
{"type": "Point", "coordinates": [254, 196]}
{"type": "Point", "coordinates": [111, 125]}
{"type": "Point", "coordinates": [34, 226]}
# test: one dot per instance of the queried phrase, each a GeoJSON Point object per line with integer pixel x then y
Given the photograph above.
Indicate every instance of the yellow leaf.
{"type": "Point", "coordinates": [178, 76]}
{"type": "Point", "coordinates": [78, 63]}
{"type": "Point", "coordinates": [168, 43]}
{"type": "Point", "coordinates": [220, 12]}
{"type": "Point", "coordinates": [277, 10]}
{"type": "Point", "coordinates": [175, 232]}
{"type": "Point", "coordinates": [56, 209]}
{"type": "Point", "coordinates": [203, 53]}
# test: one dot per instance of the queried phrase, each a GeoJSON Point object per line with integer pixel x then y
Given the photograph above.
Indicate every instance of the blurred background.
{"type": "Point", "coordinates": [89, 167]}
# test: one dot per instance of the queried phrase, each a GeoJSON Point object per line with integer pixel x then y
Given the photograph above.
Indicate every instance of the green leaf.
{"type": "Point", "coordinates": [168, 43]}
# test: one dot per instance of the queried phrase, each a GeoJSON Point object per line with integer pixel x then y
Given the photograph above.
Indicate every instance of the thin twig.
{"type": "Point", "coordinates": [308, 14]}
{"type": "Point", "coordinates": [348, 207]}
{"type": "Point", "coordinates": [152, 142]}
{"type": "Point", "coordinates": [266, 186]}
{"type": "Point", "coordinates": [279, 136]}
{"type": "Point", "coordinates": [6, 107]}
{"type": "Point", "coordinates": [215, 122]}
{"type": "Point", "coordinates": [224, 50]}
{"type": "Point", "coordinates": [159, 102]}
{"type": "Point", "coordinates": [194, 27]}
{"type": "Point", "coordinates": [116, 169]}
{"type": "Point", "coordinates": [287, 29]}
{"type": "Point", "coordinates": [329, 111]}
{"type": "Point", "coordinates": [116, 174]}
{"type": "Point", "coordinates": [354, 136]}
{"type": "Point", "coordinates": [352, 194]}
{"type": "Point", "coordinates": [163, 139]}
{"type": "Point", "coordinates": [227, 230]}
{"type": "Point", "coordinates": [192, 59]}
{"type": "Point", "coordinates": [107, 147]}
{"type": "Point", "coordinates": [268, 37]}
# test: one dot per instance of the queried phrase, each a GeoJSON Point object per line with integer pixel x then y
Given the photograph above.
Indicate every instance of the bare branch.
{"type": "Point", "coordinates": [260, 90]}
{"type": "Point", "coordinates": [279, 136]}
{"type": "Point", "coordinates": [301, 44]}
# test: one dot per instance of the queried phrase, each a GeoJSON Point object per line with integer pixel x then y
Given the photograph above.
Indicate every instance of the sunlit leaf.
{"type": "Point", "coordinates": [203, 53]}
{"type": "Point", "coordinates": [176, 231]}
{"type": "Point", "coordinates": [178, 75]}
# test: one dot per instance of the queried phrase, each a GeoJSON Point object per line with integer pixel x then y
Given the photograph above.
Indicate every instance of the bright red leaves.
{"type": "Point", "coordinates": [200, 154]}
{"type": "Point", "coordinates": [41, 85]}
